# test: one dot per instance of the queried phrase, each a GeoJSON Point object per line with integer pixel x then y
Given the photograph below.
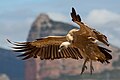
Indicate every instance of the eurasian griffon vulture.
{"type": "Point", "coordinates": [77, 44]}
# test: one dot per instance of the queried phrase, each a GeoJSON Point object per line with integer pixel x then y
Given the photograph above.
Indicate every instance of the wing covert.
{"type": "Point", "coordinates": [45, 48]}
{"type": "Point", "coordinates": [92, 32]}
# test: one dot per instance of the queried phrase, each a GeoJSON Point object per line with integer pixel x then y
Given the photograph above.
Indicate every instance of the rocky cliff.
{"type": "Point", "coordinates": [44, 26]}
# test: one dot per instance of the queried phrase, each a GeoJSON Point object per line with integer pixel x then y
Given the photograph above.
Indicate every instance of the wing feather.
{"type": "Point", "coordinates": [52, 53]}
{"type": "Point", "coordinates": [64, 53]}
{"type": "Point", "coordinates": [75, 55]}
{"type": "Point", "coordinates": [42, 54]}
{"type": "Point", "coordinates": [67, 53]}
{"type": "Point", "coordinates": [61, 54]}
{"type": "Point", "coordinates": [99, 36]}
{"type": "Point", "coordinates": [45, 55]}
{"type": "Point", "coordinates": [74, 16]}
{"type": "Point", "coordinates": [36, 53]}
{"type": "Point", "coordinates": [49, 49]}
{"type": "Point", "coordinates": [45, 48]}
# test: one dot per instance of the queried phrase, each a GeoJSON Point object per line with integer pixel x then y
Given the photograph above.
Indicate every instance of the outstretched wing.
{"type": "Point", "coordinates": [45, 48]}
{"type": "Point", "coordinates": [99, 36]}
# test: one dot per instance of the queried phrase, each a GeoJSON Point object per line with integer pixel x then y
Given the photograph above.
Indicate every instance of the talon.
{"type": "Point", "coordinates": [91, 67]}
{"type": "Point", "coordinates": [84, 67]}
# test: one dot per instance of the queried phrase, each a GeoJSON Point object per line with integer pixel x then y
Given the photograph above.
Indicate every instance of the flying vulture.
{"type": "Point", "coordinates": [76, 44]}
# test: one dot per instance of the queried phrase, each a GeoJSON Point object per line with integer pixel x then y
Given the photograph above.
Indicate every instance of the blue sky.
{"type": "Point", "coordinates": [16, 16]}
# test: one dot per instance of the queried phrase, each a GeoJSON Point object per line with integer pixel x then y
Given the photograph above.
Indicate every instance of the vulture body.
{"type": "Point", "coordinates": [77, 44]}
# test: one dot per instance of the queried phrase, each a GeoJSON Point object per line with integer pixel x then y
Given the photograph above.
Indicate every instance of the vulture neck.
{"type": "Point", "coordinates": [70, 35]}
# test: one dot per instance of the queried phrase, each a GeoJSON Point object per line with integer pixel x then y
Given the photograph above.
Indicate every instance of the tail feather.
{"type": "Point", "coordinates": [106, 52]}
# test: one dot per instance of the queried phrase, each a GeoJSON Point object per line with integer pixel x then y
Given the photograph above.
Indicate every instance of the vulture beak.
{"type": "Point", "coordinates": [64, 45]}
{"type": "Point", "coordinates": [60, 48]}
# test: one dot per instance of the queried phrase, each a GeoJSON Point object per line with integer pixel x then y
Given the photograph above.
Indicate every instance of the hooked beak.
{"type": "Point", "coordinates": [60, 48]}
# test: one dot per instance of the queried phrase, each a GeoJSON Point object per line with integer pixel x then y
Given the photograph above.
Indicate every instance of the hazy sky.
{"type": "Point", "coordinates": [16, 16]}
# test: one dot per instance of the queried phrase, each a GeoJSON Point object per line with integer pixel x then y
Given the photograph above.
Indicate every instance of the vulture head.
{"type": "Point", "coordinates": [64, 45]}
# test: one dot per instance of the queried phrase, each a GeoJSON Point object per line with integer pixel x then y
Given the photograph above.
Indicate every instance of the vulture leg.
{"type": "Point", "coordinates": [84, 66]}
{"type": "Point", "coordinates": [91, 67]}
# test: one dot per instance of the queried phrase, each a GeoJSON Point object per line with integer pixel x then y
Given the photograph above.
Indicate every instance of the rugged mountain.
{"type": "Point", "coordinates": [44, 26]}
{"type": "Point", "coordinates": [10, 65]}
{"type": "Point", "coordinates": [62, 69]}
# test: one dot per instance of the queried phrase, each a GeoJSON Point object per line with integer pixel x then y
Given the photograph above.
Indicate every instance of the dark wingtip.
{"type": "Point", "coordinates": [27, 57]}
{"type": "Point", "coordinates": [20, 55]}
{"type": "Point", "coordinates": [75, 16]}
{"type": "Point", "coordinates": [79, 18]}
{"type": "Point", "coordinates": [73, 10]}
{"type": "Point", "coordinates": [9, 41]}
{"type": "Point", "coordinates": [105, 49]}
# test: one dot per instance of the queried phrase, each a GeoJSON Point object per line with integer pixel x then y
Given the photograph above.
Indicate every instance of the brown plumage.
{"type": "Point", "coordinates": [87, 37]}
{"type": "Point", "coordinates": [77, 44]}
{"type": "Point", "coordinates": [46, 48]}
{"type": "Point", "coordinates": [91, 32]}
